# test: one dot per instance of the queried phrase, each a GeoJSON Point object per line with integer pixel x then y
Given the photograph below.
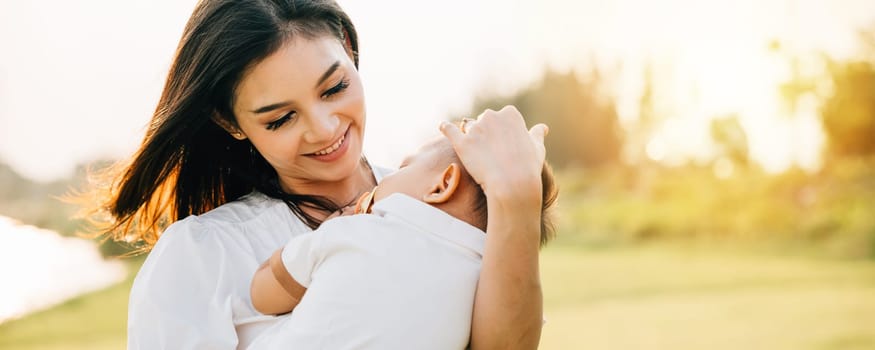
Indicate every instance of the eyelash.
{"type": "Point", "coordinates": [334, 90]}
{"type": "Point", "coordinates": [279, 122]}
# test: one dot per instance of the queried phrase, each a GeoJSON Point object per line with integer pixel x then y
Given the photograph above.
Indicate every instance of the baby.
{"type": "Point", "coordinates": [401, 277]}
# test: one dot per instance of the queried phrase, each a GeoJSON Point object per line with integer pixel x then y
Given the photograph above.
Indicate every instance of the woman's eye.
{"type": "Point", "coordinates": [342, 85]}
{"type": "Point", "coordinates": [279, 122]}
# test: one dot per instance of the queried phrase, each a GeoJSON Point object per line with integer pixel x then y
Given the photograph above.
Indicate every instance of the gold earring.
{"type": "Point", "coordinates": [365, 202]}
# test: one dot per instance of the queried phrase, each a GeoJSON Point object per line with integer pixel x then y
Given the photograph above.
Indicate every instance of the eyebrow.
{"type": "Point", "coordinates": [271, 107]}
{"type": "Point", "coordinates": [328, 73]}
{"type": "Point", "coordinates": [274, 106]}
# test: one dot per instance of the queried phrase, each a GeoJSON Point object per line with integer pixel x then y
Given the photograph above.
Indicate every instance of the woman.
{"type": "Point", "coordinates": [257, 138]}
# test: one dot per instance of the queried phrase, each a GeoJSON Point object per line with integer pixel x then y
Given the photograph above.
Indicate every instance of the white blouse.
{"type": "Point", "coordinates": [192, 292]}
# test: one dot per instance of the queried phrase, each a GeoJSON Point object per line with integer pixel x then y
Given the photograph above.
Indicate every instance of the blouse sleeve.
{"type": "Point", "coordinates": [179, 299]}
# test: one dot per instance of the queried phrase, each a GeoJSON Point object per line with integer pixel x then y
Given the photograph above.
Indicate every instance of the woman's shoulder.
{"type": "Point", "coordinates": [249, 228]}
{"type": "Point", "coordinates": [224, 222]}
{"type": "Point", "coordinates": [227, 241]}
{"type": "Point", "coordinates": [185, 244]}
{"type": "Point", "coordinates": [198, 273]}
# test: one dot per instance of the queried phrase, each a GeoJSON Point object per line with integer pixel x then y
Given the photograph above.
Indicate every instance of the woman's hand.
{"type": "Point", "coordinates": [500, 153]}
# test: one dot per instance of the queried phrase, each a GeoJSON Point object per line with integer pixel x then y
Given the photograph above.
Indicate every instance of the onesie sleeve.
{"type": "Point", "coordinates": [300, 257]}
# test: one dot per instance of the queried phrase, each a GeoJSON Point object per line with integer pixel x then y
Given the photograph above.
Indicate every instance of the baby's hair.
{"type": "Point", "coordinates": [549, 194]}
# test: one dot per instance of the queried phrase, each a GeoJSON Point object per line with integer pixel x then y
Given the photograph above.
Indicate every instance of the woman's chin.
{"type": "Point", "coordinates": [342, 168]}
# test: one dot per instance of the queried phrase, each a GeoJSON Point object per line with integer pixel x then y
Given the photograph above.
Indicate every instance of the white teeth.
{"type": "Point", "coordinates": [331, 149]}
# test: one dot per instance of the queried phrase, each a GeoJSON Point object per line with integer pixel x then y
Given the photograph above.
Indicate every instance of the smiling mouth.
{"type": "Point", "coordinates": [330, 149]}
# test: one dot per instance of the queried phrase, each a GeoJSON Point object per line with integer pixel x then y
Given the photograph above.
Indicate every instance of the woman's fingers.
{"type": "Point", "coordinates": [498, 150]}
{"type": "Point", "coordinates": [452, 132]}
{"type": "Point", "coordinates": [538, 132]}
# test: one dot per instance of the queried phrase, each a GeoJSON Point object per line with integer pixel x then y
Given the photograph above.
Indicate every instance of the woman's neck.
{"type": "Point", "coordinates": [342, 192]}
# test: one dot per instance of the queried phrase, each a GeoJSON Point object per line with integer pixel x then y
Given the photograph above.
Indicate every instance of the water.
{"type": "Point", "coordinates": [40, 268]}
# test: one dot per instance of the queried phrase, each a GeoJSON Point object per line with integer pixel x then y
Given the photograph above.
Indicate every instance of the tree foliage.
{"type": "Point", "coordinates": [849, 112]}
{"type": "Point", "coordinates": [584, 127]}
{"type": "Point", "coordinates": [731, 139]}
{"type": "Point", "coordinates": [847, 103]}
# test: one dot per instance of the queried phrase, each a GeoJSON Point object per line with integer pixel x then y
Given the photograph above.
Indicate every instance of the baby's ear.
{"type": "Point", "coordinates": [447, 184]}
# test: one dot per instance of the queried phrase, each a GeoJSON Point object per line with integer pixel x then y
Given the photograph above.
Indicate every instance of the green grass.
{"type": "Point", "coordinates": [662, 297]}
{"type": "Point", "coordinates": [647, 297]}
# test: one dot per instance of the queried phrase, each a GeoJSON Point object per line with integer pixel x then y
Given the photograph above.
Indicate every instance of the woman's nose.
{"type": "Point", "coordinates": [322, 129]}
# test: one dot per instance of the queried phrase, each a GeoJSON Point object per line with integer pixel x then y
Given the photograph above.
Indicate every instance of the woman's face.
{"type": "Point", "coordinates": [303, 109]}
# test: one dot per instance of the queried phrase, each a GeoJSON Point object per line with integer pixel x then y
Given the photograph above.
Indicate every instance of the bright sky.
{"type": "Point", "coordinates": [79, 80]}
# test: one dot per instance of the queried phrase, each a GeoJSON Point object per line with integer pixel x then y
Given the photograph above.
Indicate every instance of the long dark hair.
{"type": "Point", "coordinates": [187, 164]}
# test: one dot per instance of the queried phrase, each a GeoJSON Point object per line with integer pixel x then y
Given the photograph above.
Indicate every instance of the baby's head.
{"type": "Point", "coordinates": [435, 175]}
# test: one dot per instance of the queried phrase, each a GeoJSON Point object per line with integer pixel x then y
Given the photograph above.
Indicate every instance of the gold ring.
{"type": "Point", "coordinates": [463, 124]}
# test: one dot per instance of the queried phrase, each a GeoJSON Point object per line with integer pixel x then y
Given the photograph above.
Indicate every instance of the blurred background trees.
{"type": "Point", "coordinates": [584, 126]}
{"type": "Point", "coordinates": [611, 199]}
{"type": "Point", "coordinates": [848, 113]}
{"type": "Point", "coordinates": [731, 140]}
{"type": "Point", "coordinates": [40, 204]}
{"type": "Point", "coordinates": [35, 203]}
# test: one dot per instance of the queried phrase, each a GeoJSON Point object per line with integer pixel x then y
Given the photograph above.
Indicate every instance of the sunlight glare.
{"type": "Point", "coordinates": [721, 69]}
{"type": "Point", "coordinates": [656, 149]}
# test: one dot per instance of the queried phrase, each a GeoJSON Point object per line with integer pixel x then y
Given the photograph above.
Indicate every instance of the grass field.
{"type": "Point", "coordinates": [656, 297]}
{"type": "Point", "coordinates": [665, 298]}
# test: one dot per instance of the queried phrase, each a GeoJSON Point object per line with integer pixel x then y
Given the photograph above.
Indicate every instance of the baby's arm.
{"type": "Point", "coordinates": [273, 290]}
{"type": "Point", "coordinates": [281, 281]}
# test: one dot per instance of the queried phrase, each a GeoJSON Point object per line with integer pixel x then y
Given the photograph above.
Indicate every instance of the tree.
{"type": "Point", "coordinates": [731, 139]}
{"type": "Point", "coordinates": [849, 112]}
{"type": "Point", "coordinates": [847, 108]}
{"type": "Point", "coordinates": [584, 127]}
